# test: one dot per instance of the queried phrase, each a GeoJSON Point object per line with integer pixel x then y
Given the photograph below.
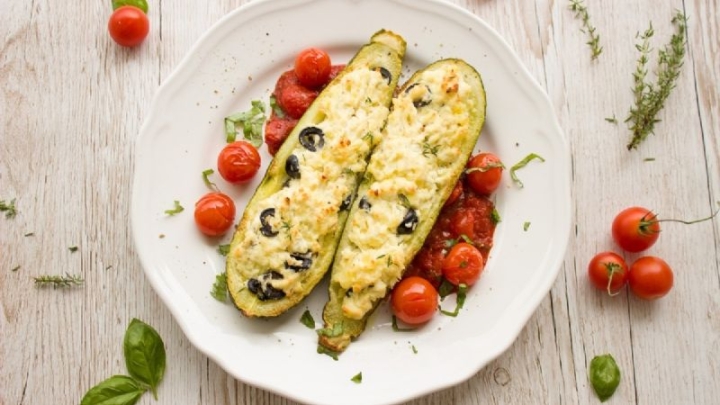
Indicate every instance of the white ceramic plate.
{"type": "Point", "coordinates": [237, 61]}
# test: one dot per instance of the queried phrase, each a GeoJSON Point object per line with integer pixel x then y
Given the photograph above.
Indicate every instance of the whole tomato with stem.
{"type": "Point", "coordinates": [414, 300]}
{"type": "Point", "coordinates": [635, 229]}
{"type": "Point", "coordinates": [650, 278]}
{"type": "Point", "coordinates": [608, 271]}
{"type": "Point", "coordinates": [214, 213]}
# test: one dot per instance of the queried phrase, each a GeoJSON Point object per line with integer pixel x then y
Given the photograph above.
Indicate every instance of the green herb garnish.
{"type": "Point", "coordinates": [335, 331]}
{"type": "Point", "coordinates": [604, 376]}
{"type": "Point", "coordinates": [176, 209]}
{"type": "Point", "coordinates": [396, 328]}
{"type": "Point", "coordinates": [275, 107]}
{"type": "Point", "coordinates": [206, 179]}
{"type": "Point", "coordinates": [415, 351]}
{"type": "Point", "coordinates": [220, 288]}
{"type": "Point", "coordinates": [73, 249]}
{"type": "Point", "coordinates": [223, 249]}
{"type": "Point", "coordinates": [650, 97]}
{"type": "Point", "coordinates": [144, 354]}
{"type": "Point", "coordinates": [8, 208]}
{"type": "Point", "coordinates": [519, 165]}
{"type": "Point", "coordinates": [446, 288]}
{"type": "Point", "coordinates": [526, 225]}
{"type": "Point", "coordinates": [357, 379]}
{"type": "Point", "coordinates": [461, 295]}
{"type": "Point", "coordinates": [324, 350]}
{"type": "Point", "coordinates": [487, 167]}
{"type": "Point", "coordinates": [307, 319]}
{"type": "Point", "coordinates": [650, 159]}
{"type": "Point", "coordinates": [495, 216]}
{"type": "Point", "coordinates": [68, 280]}
{"type": "Point", "coordinates": [29, 234]}
{"type": "Point", "coordinates": [581, 12]}
{"type": "Point", "coordinates": [16, 268]}
{"type": "Point", "coordinates": [612, 119]}
{"type": "Point", "coordinates": [250, 121]}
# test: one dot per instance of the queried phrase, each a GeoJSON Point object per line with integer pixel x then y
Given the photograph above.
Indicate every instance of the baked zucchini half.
{"type": "Point", "coordinates": [286, 238]}
{"type": "Point", "coordinates": [433, 127]}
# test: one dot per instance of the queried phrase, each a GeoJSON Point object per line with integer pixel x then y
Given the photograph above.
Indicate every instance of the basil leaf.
{"type": "Point", "coordinates": [116, 390]}
{"type": "Point", "coordinates": [141, 4]}
{"type": "Point", "coordinates": [144, 354]}
{"type": "Point", "coordinates": [604, 376]}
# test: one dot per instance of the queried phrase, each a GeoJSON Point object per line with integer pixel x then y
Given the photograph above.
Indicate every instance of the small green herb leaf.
{"type": "Point", "coordinates": [446, 288]}
{"type": "Point", "coordinates": [461, 295]}
{"type": "Point", "coordinates": [396, 328]}
{"type": "Point", "coordinates": [519, 165]}
{"type": "Point", "coordinates": [220, 288]}
{"type": "Point", "coordinates": [206, 179]}
{"type": "Point", "coordinates": [324, 350]}
{"type": "Point", "coordinates": [224, 249]}
{"type": "Point", "coordinates": [144, 354]}
{"type": "Point", "coordinates": [581, 12]}
{"type": "Point", "coordinates": [526, 226]}
{"type": "Point", "coordinates": [335, 331]}
{"type": "Point", "coordinates": [176, 209]}
{"type": "Point", "coordinates": [495, 216]}
{"type": "Point", "coordinates": [604, 376]}
{"type": "Point", "coordinates": [307, 319]}
{"type": "Point", "coordinates": [16, 268]}
{"type": "Point", "coordinates": [415, 351]}
{"type": "Point", "coordinates": [141, 4]}
{"type": "Point", "coordinates": [116, 390]}
{"type": "Point", "coordinates": [275, 107]}
{"type": "Point", "coordinates": [73, 249]}
{"type": "Point", "coordinates": [8, 208]}
{"type": "Point", "coordinates": [357, 378]}
{"type": "Point", "coordinates": [612, 119]}
{"type": "Point", "coordinates": [251, 123]}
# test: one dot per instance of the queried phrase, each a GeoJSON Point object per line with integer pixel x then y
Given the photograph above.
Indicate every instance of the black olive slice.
{"type": "Point", "coordinates": [312, 138]}
{"type": "Point", "coordinates": [265, 228]}
{"type": "Point", "coordinates": [385, 74]}
{"type": "Point", "coordinates": [346, 202]}
{"type": "Point", "coordinates": [292, 167]}
{"type": "Point", "coordinates": [409, 223]}
{"type": "Point", "coordinates": [425, 99]}
{"type": "Point", "coordinates": [305, 260]}
{"type": "Point", "coordinates": [263, 289]}
{"type": "Point", "coordinates": [349, 293]}
{"type": "Point", "coordinates": [364, 204]}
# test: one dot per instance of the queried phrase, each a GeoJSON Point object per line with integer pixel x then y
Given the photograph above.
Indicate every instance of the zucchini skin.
{"type": "Point", "coordinates": [255, 246]}
{"type": "Point", "coordinates": [423, 191]}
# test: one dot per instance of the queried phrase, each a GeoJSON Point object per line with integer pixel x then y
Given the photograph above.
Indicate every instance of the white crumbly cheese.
{"type": "Point", "coordinates": [306, 211]}
{"type": "Point", "coordinates": [418, 145]}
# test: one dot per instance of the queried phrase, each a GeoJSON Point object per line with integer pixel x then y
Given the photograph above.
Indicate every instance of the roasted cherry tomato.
{"type": "Point", "coordinates": [455, 194]}
{"type": "Point", "coordinates": [463, 264]}
{"type": "Point", "coordinates": [414, 300]}
{"type": "Point", "coordinates": [608, 271]}
{"type": "Point", "coordinates": [276, 131]}
{"type": "Point", "coordinates": [214, 213]}
{"type": "Point", "coordinates": [462, 223]}
{"type": "Point", "coordinates": [128, 26]}
{"type": "Point", "coordinates": [635, 229]}
{"type": "Point", "coordinates": [295, 100]}
{"type": "Point", "coordinates": [650, 278]}
{"type": "Point", "coordinates": [238, 162]}
{"type": "Point", "coordinates": [484, 171]}
{"type": "Point", "coordinates": [312, 67]}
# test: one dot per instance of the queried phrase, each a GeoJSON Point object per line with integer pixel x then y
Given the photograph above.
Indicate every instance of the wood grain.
{"type": "Point", "coordinates": [71, 105]}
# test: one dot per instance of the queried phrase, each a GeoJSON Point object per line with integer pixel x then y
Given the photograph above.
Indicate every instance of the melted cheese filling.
{"type": "Point", "coordinates": [413, 159]}
{"type": "Point", "coordinates": [306, 211]}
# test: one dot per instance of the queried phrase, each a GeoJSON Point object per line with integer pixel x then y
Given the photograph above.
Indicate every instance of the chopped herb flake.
{"type": "Point", "coordinates": [650, 159]}
{"type": "Point", "coordinates": [16, 268]}
{"type": "Point", "coordinates": [30, 234]}
{"type": "Point", "coordinates": [176, 209]}
{"type": "Point", "coordinates": [73, 249]}
{"type": "Point", "coordinates": [461, 295]}
{"type": "Point", "coordinates": [324, 350]}
{"type": "Point", "coordinates": [519, 165]}
{"type": "Point", "coordinates": [415, 351]}
{"type": "Point", "coordinates": [357, 379]}
{"type": "Point", "coordinates": [526, 225]}
{"type": "Point", "coordinates": [495, 216]}
{"type": "Point", "coordinates": [446, 288]}
{"type": "Point", "coordinates": [275, 107]}
{"type": "Point", "coordinates": [335, 331]}
{"type": "Point", "coordinates": [250, 121]}
{"type": "Point", "coordinates": [396, 328]}
{"type": "Point", "coordinates": [206, 179]}
{"type": "Point", "coordinates": [9, 209]}
{"type": "Point", "coordinates": [612, 119]}
{"type": "Point", "coordinates": [307, 319]}
{"type": "Point", "coordinates": [220, 288]}
{"type": "Point", "coordinates": [224, 249]}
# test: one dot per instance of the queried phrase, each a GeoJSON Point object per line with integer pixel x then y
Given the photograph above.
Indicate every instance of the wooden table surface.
{"type": "Point", "coordinates": [71, 105]}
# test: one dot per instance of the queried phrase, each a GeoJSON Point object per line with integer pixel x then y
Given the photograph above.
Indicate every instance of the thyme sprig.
{"type": "Point", "coordinates": [650, 97]}
{"type": "Point", "coordinates": [68, 280]}
{"type": "Point", "coordinates": [581, 12]}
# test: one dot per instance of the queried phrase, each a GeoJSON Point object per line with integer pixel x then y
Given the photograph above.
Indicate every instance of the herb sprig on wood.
{"type": "Point", "coordinates": [650, 97]}
{"type": "Point", "coordinates": [581, 12]}
{"type": "Point", "coordinates": [68, 280]}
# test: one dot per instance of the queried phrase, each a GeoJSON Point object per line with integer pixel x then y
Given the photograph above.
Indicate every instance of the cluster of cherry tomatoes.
{"type": "Point", "coordinates": [634, 229]}
{"type": "Point", "coordinates": [414, 300]}
{"type": "Point", "coordinates": [239, 161]}
{"type": "Point", "coordinates": [129, 24]}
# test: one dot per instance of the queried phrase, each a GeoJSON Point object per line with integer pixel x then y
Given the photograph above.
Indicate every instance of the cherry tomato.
{"type": "Point", "coordinates": [462, 223]}
{"type": "Point", "coordinates": [312, 67]}
{"type": "Point", "coordinates": [295, 100]}
{"type": "Point", "coordinates": [608, 271]}
{"type": "Point", "coordinates": [484, 173]}
{"type": "Point", "coordinates": [463, 264]}
{"type": "Point", "coordinates": [650, 278]}
{"type": "Point", "coordinates": [414, 300]}
{"type": "Point", "coordinates": [276, 131]}
{"type": "Point", "coordinates": [128, 26]}
{"type": "Point", "coordinates": [635, 229]}
{"type": "Point", "coordinates": [238, 162]}
{"type": "Point", "coordinates": [455, 194]}
{"type": "Point", "coordinates": [214, 213]}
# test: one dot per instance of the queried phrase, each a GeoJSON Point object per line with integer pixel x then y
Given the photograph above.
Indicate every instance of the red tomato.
{"type": "Point", "coordinates": [463, 223]}
{"type": "Point", "coordinates": [608, 271]}
{"type": "Point", "coordinates": [484, 173]}
{"type": "Point", "coordinates": [635, 229]}
{"type": "Point", "coordinates": [414, 300]}
{"type": "Point", "coordinates": [312, 67]}
{"type": "Point", "coordinates": [650, 278]}
{"type": "Point", "coordinates": [295, 99]}
{"type": "Point", "coordinates": [214, 213]}
{"type": "Point", "coordinates": [128, 26]}
{"type": "Point", "coordinates": [276, 131]}
{"type": "Point", "coordinates": [238, 162]}
{"type": "Point", "coordinates": [463, 264]}
{"type": "Point", "coordinates": [455, 194]}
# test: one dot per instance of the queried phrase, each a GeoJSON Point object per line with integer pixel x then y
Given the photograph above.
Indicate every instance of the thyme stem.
{"type": "Point", "coordinates": [581, 12]}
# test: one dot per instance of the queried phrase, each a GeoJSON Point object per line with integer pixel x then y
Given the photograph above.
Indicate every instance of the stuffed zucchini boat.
{"type": "Point", "coordinates": [288, 233]}
{"type": "Point", "coordinates": [433, 127]}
